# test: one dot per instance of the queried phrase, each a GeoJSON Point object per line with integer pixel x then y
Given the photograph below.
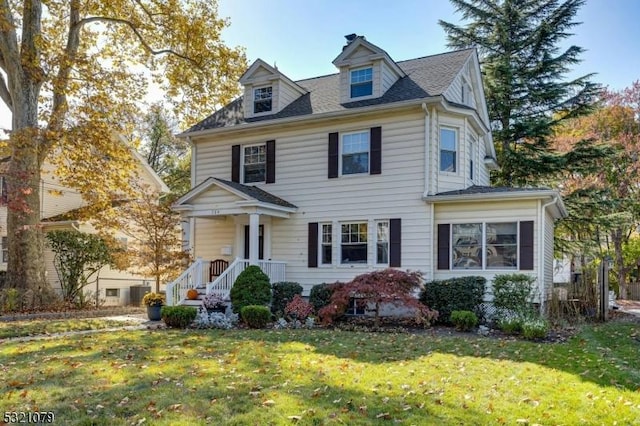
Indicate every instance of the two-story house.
{"type": "Point", "coordinates": [383, 164]}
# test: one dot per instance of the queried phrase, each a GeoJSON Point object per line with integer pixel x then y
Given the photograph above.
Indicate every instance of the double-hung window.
{"type": "Point", "coordinates": [5, 249]}
{"type": "Point", "coordinates": [448, 150]}
{"type": "Point", "coordinates": [254, 163]}
{"type": "Point", "coordinates": [262, 99]}
{"type": "Point", "coordinates": [355, 153]}
{"type": "Point", "coordinates": [326, 241]}
{"type": "Point", "coordinates": [361, 82]}
{"type": "Point", "coordinates": [382, 242]}
{"type": "Point", "coordinates": [353, 246]}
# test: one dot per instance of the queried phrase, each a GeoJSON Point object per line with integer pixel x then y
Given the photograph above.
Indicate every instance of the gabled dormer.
{"type": "Point", "coordinates": [266, 90]}
{"type": "Point", "coordinates": [366, 71]}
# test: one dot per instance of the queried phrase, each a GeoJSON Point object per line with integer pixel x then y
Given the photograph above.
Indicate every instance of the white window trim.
{"type": "Point", "coordinates": [320, 244]}
{"type": "Point", "coordinates": [354, 265]}
{"type": "Point", "coordinates": [484, 267]}
{"type": "Point", "coordinates": [456, 130]}
{"type": "Point", "coordinates": [242, 164]}
{"type": "Point", "coordinates": [375, 241]}
{"type": "Point", "coordinates": [117, 290]}
{"type": "Point", "coordinates": [373, 87]}
{"type": "Point", "coordinates": [253, 100]}
{"type": "Point", "coordinates": [341, 150]}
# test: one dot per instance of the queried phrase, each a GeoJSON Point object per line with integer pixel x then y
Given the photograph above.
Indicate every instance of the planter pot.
{"type": "Point", "coordinates": [153, 312]}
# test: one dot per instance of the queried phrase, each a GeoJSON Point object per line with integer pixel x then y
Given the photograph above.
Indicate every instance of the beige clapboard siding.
{"type": "Point", "coordinates": [388, 77]}
{"type": "Point", "coordinates": [213, 234]}
{"type": "Point", "coordinates": [287, 94]}
{"type": "Point", "coordinates": [548, 256]}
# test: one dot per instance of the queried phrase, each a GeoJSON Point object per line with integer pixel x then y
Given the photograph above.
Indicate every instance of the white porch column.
{"type": "Point", "coordinates": [254, 226]}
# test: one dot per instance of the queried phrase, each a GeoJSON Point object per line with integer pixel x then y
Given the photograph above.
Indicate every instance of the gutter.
{"type": "Point", "coordinates": [499, 196]}
{"type": "Point", "coordinates": [315, 117]}
{"type": "Point", "coordinates": [62, 224]}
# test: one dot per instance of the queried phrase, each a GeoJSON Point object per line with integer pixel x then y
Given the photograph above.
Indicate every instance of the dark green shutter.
{"type": "Point", "coordinates": [235, 163]}
{"type": "Point", "coordinates": [312, 247]}
{"type": "Point", "coordinates": [526, 245]}
{"type": "Point", "coordinates": [395, 243]}
{"type": "Point", "coordinates": [271, 162]}
{"type": "Point", "coordinates": [443, 246]}
{"type": "Point", "coordinates": [376, 151]}
{"type": "Point", "coordinates": [333, 155]}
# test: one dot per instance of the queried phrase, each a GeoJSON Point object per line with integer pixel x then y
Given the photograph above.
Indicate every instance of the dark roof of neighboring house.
{"type": "Point", "coordinates": [476, 189]}
{"type": "Point", "coordinates": [257, 193]}
{"type": "Point", "coordinates": [425, 77]}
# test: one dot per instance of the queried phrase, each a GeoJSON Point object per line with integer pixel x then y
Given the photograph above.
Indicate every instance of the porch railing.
{"type": "Point", "coordinates": [222, 285]}
{"type": "Point", "coordinates": [191, 278]}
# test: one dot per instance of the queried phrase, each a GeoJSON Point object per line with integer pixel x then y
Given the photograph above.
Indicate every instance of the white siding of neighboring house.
{"type": "Point", "coordinates": [474, 212]}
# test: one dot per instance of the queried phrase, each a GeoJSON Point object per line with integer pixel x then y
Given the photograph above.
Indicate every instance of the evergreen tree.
{"type": "Point", "coordinates": [524, 73]}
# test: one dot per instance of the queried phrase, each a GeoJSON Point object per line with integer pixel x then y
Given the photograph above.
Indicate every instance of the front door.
{"type": "Point", "coordinates": [260, 242]}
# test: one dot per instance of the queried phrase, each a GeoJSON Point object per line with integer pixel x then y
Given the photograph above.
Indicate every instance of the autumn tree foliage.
{"type": "Point", "coordinates": [71, 72]}
{"type": "Point", "coordinates": [603, 199]}
{"type": "Point", "coordinates": [155, 248]}
{"type": "Point", "coordinates": [385, 287]}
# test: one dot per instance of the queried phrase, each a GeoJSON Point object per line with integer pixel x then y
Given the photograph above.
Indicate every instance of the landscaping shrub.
{"type": "Point", "coordinates": [535, 328]}
{"type": "Point", "coordinates": [388, 286]}
{"type": "Point", "coordinates": [513, 293]}
{"type": "Point", "coordinates": [298, 308]}
{"type": "Point", "coordinates": [251, 288]}
{"type": "Point", "coordinates": [255, 316]}
{"type": "Point", "coordinates": [178, 316]}
{"type": "Point", "coordinates": [282, 294]}
{"type": "Point", "coordinates": [215, 320]}
{"type": "Point", "coordinates": [320, 295]}
{"type": "Point", "coordinates": [510, 324]}
{"type": "Point", "coordinates": [464, 320]}
{"type": "Point", "coordinates": [454, 294]}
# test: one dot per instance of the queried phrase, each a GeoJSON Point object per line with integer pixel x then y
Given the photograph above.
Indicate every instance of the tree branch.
{"type": "Point", "coordinates": [5, 95]}
{"type": "Point", "coordinates": [9, 53]}
{"type": "Point", "coordinates": [61, 81]}
{"type": "Point", "coordinates": [139, 37]}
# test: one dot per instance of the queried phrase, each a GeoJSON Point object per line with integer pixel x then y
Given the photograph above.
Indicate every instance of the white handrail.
{"type": "Point", "coordinates": [191, 278]}
{"type": "Point", "coordinates": [222, 285]}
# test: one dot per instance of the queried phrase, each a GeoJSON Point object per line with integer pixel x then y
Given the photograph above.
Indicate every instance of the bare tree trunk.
{"type": "Point", "coordinates": [623, 272]}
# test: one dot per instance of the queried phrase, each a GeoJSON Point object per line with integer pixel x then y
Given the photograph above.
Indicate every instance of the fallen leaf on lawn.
{"type": "Point", "coordinates": [175, 407]}
{"type": "Point", "coordinates": [268, 403]}
{"type": "Point", "coordinates": [385, 416]}
{"type": "Point", "coordinates": [295, 418]}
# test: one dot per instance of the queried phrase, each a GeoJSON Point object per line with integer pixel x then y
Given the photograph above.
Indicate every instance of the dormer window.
{"type": "Point", "coordinates": [262, 98]}
{"type": "Point", "coordinates": [361, 82]}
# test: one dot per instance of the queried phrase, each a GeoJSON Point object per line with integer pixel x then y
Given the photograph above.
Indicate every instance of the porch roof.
{"type": "Point", "coordinates": [248, 199]}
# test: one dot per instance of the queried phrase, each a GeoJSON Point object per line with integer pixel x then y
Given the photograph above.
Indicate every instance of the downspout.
{"type": "Point", "coordinates": [192, 220]}
{"type": "Point", "coordinates": [427, 149]}
{"type": "Point", "coordinates": [541, 257]}
{"type": "Point", "coordinates": [432, 212]}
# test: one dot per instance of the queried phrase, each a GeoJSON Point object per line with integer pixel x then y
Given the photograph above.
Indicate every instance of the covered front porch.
{"type": "Point", "coordinates": [235, 232]}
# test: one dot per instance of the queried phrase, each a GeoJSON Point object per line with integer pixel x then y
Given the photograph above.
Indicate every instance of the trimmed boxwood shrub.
{"type": "Point", "coordinates": [255, 316]}
{"type": "Point", "coordinates": [454, 294]}
{"type": "Point", "coordinates": [320, 294]}
{"type": "Point", "coordinates": [251, 288]}
{"type": "Point", "coordinates": [283, 293]}
{"type": "Point", "coordinates": [464, 320]}
{"type": "Point", "coordinates": [178, 316]}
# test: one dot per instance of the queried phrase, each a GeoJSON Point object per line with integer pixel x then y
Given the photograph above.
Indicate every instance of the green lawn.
{"type": "Point", "coordinates": [10, 329]}
{"type": "Point", "coordinates": [173, 377]}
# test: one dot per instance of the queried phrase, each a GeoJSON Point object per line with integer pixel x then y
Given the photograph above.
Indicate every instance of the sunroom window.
{"type": "Point", "coordinates": [485, 245]}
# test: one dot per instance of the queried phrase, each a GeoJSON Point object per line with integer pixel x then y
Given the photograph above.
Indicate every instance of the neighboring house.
{"type": "Point", "coordinates": [60, 209]}
{"type": "Point", "coordinates": [383, 164]}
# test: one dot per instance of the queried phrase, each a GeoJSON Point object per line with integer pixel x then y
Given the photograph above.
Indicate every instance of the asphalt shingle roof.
{"type": "Point", "coordinates": [425, 77]}
{"type": "Point", "coordinates": [257, 193]}
{"type": "Point", "coordinates": [476, 189]}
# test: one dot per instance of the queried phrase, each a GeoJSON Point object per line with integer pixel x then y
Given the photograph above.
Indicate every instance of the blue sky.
{"type": "Point", "coordinates": [302, 37]}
